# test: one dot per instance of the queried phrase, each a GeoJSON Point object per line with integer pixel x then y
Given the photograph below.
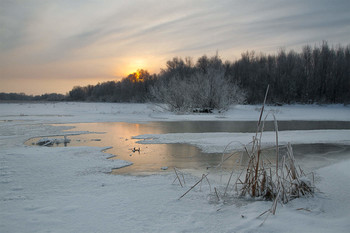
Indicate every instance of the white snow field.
{"type": "Point", "coordinates": [68, 189]}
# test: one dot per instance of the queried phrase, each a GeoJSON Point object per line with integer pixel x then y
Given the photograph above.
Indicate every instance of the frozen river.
{"type": "Point", "coordinates": [150, 158]}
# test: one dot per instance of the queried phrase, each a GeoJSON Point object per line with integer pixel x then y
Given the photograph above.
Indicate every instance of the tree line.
{"type": "Point", "coordinates": [319, 74]}
{"type": "Point", "coordinates": [24, 97]}
{"type": "Point", "coordinates": [134, 88]}
{"type": "Point", "coordinates": [315, 75]}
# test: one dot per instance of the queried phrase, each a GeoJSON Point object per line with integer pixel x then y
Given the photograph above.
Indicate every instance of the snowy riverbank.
{"type": "Point", "coordinates": [72, 112]}
{"type": "Point", "coordinates": [67, 189]}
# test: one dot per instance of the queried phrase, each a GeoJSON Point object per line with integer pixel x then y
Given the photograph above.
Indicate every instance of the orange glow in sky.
{"type": "Point", "coordinates": [134, 66]}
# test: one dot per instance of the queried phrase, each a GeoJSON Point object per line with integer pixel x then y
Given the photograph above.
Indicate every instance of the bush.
{"type": "Point", "coordinates": [201, 90]}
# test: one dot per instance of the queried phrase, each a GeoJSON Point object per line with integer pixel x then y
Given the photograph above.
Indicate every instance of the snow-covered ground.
{"type": "Point", "coordinates": [68, 190]}
{"type": "Point", "coordinates": [72, 112]}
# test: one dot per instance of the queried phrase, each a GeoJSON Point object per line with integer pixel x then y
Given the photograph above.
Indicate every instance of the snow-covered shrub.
{"type": "Point", "coordinates": [208, 90]}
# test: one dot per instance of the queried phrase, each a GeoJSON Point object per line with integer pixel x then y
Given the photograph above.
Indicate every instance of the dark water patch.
{"type": "Point", "coordinates": [244, 126]}
{"type": "Point", "coordinates": [319, 155]}
{"type": "Point", "coordinates": [151, 158]}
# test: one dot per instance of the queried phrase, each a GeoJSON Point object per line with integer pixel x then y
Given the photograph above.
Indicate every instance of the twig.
{"type": "Point", "coordinates": [216, 194]}
{"type": "Point", "coordinates": [178, 177]}
{"type": "Point", "coordinates": [265, 219]}
{"type": "Point", "coordinates": [269, 210]}
{"type": "Point", "coordinates": [174, 180]}
{"type": "Point", "coordinates": [274, 205]}
{"type": "Point", "coordinates": [208, 182]}
{"type": "Point", "coordinates": [200, 187]}
{"type": "Point", "coordinates": [304, 209]}
{"type": "Point", "coordinates": [263, 106]}
{"type": "Point", "coordinates": [193, 186]}
{"type": "Point", "coordinates": [183, 178]}
{"type": "Point", "coordinates": [277, 154]}
{"type": "Point", "coordinates": [229, 180]}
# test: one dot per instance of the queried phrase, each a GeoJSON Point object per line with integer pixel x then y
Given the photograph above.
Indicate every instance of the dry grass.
{"type": "Point", "coordinates": [278, 180]}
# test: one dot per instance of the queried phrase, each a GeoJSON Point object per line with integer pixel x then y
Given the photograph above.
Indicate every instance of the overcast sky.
{"type": "Point", "coordinates": [51, 46]}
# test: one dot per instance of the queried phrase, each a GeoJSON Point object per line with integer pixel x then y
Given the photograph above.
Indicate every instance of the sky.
{"type": "Point", "coordinates": [52, 45]}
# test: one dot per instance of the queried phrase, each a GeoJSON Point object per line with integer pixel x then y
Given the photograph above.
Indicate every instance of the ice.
{"type": "Point", "coordinates": [52, 141]}
{"type": "Point", "coordinates": [215, 142]}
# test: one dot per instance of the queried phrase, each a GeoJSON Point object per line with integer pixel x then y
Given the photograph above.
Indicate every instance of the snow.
{"type": "Point", "coordinates": [72, 112]}
{"type": "Point", "coordinates": [68, 189]}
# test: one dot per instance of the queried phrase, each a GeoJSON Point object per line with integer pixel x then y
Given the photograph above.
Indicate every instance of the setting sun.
{"type": "Point", "coordinates": [134, 66]}
{"type": "Point", "coordinates": [138, 76]}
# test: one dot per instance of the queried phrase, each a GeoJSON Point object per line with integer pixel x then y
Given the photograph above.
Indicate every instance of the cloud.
{"type": "Point", "coordinates": [58, 34]}
{"type": "Point", "coordinates": [15, 18]}
{"type": "Point", "coordinates": [182, 26]}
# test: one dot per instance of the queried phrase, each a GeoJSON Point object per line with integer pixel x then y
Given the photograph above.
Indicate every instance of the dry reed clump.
{"type": "Point", "coordinates": [280, 180]}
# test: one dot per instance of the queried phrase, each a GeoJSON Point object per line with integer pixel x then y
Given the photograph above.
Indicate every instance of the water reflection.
{"type": "Point", "coordinates": [152, 157]}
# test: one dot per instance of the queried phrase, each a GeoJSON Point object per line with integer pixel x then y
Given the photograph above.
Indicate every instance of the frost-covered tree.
{"type": "Point", "coordinates": [205, 87]}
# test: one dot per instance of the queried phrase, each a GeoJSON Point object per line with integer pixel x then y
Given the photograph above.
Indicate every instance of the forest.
{"type": "Point", "coordinates": [319, 74]}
